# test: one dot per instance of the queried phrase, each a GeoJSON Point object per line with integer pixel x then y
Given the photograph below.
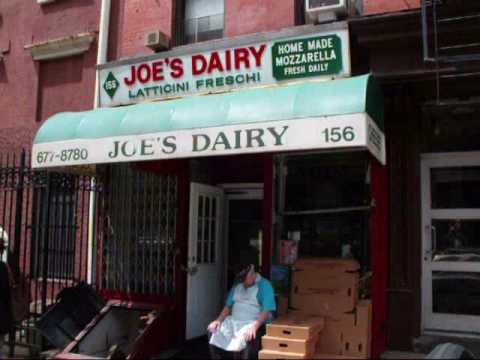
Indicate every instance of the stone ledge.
{"type": "Point", "coordinates": [61, 48]}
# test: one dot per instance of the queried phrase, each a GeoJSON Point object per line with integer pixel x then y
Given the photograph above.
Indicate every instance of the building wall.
{"type": "Point", "coordinates": [250, 16]}
{"type": "Point", "coordinates": [131, 19]}
{"type": "Point", "coordinates": [31, 91]}
{"type": "Point", "coordinates": [385, 6]}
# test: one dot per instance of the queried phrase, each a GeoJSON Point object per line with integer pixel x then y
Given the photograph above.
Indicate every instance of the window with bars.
{"type": "Point", "coordinates": [199, 20]}
{"type": "Point", "coordinates": [140, 235]}
{"type": "Point", "coordinates": [55, 214]}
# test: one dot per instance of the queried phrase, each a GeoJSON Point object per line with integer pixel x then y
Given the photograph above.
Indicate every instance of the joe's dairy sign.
{"type": "Point", "coordinates": [308, 56]}
{"type": "Point", "coordinates": [342, 131]}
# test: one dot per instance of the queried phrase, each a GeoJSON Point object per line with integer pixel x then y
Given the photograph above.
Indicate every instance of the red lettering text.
{"type": "Point", "coordinates": [144, 73]}
{"type": "Point", "coordinates": [177, 68]}
{"type": "Point", "coordinates": [257, 54]}
{"type": "Point", "coordinates": [228, 59]}
{"type": "Point", "coordinates": [157, 69]}
{"type": "Point", "coordinates": [215, 63]}
{"type": "Point", "coordinates": [131, 81]}
{"type": "Point", "coordinates": [199, 64]}
{"type": "Point", "coordinates": [242, 56]}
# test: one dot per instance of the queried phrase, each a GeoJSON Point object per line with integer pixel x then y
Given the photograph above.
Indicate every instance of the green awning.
{"type": "Point", "coordinates": [76, 138]}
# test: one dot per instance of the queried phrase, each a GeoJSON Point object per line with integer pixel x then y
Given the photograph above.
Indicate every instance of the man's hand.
{"type": "Point", "coordinates": [251, 333]}
{"type": "Point", "coordinates": [213, 327]}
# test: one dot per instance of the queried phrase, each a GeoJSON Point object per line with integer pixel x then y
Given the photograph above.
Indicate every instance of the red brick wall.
{"type": "Point", "coordinates": [31, 91]}
{"type": "Point", "coordinates": [383, 6]}
{"type": "Point", "coordinates": [250, 16]}
{"type": "Point", "coordinates": [131, 19]}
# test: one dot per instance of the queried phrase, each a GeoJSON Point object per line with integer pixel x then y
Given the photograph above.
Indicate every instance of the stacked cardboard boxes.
{"type": "Point", "coordinates": [326, 289]}
{"type": "Point", "coordinates": [293, 336]}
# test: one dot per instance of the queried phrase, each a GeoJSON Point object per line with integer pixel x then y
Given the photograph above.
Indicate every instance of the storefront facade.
{"type": "Point", "coordinates": [234, 120]}
{"type": "Point", "coordinates": [216, 180]}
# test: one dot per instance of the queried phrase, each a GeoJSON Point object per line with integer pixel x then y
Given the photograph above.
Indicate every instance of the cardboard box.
{"type": "Point", "coordinates": [326, 266]}
{"type": "Point", "coordinates": [331, 338]}
{"type": "Point", "coordinates": [304, 346]}
{"type": "Point", "coordinates": [356, 346]}
{"type": "Point", "coordinates": [325, 286]}
{"type": "Point", "coordinates": [357, 338]}
{"type": "Point", "coordinates": [325, 302]}
{"type": "Point", "coordinates": [362, 324]}
{"type": "Point", "coordinates": [308, 281]}
{"type": "Point", "coordinates": [269, 354]}
{"type": "Point", "coordinates": [322, 356]}
{"type": "Point", "coordinates": [296, 326]}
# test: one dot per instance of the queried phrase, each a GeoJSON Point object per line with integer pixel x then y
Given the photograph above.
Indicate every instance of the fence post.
{"type": "Point", "coordinates": [17, 238]}
{"type": "Point", "coordinates": [45, 240]}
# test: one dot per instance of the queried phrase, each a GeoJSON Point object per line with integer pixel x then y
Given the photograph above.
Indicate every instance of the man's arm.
{"type": "Point", "coordinates": [252, 332]}
{"type": "Point", "coordinates": [215, 324]}
{"type": "Point", "coordinates": [225, 312]}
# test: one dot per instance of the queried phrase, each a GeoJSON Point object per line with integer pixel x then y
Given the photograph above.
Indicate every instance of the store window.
{"type": "Point", "coordinates": [323, 205]}
{"type": "Point", "coordinates": [199, 20]}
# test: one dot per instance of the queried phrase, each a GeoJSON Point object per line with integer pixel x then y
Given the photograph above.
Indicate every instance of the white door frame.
{"type": "Point", "coordinates": [451, 323]}
{"type": "Point", "coordinates": [198, 296]}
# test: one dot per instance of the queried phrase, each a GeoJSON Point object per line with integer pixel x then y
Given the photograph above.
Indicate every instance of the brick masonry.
{"type": "Point", "coordinates": [31, 91]}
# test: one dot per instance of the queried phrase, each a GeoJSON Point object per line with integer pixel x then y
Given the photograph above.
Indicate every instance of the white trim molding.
{"type": "Point", "coordinates": [59, 48]}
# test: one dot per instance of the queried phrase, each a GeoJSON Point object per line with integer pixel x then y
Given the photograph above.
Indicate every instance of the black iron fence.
{"type": "Point", "coordinates": [115, 230]}
{"type": "Point", "coordinates": [49, 220]}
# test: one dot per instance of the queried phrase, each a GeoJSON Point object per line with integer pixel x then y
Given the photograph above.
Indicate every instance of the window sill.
{"type": "Point", "coordinates": [61, 48]}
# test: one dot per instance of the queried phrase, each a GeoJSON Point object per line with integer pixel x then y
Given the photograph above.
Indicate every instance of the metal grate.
{"type": "Point", "coordinates": [140, 234]}
{"type": "Point", "coordinates": [44, 217]}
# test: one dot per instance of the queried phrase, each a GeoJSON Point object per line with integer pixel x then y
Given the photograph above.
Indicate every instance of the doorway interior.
{"type": "Point", "coordinates": [225, 231]}
{"type": "Point", "coordinates": [243, 228]}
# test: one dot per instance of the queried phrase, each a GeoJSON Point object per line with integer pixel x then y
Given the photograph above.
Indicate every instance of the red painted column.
{"type": "Point", "coordinates": [379, 256]}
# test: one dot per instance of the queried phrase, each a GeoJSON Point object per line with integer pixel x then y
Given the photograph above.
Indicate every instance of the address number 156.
{"type": "Point", "coordinates": [336, 134]}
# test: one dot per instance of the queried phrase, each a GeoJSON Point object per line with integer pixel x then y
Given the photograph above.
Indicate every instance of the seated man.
{"type": "Point", "coordinates": [239, 326]}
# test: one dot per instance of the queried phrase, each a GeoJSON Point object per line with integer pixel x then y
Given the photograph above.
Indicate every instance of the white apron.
{"type": "Point", "coordinates": [245, 310]}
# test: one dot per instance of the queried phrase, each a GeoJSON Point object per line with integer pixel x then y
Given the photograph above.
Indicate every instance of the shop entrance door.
{"type": "Point", "coordinates": [244, 215]}
{"type": "Point", "coordinates": [451, 242]}
{"type": "Point", "coordinates": [204, 270]}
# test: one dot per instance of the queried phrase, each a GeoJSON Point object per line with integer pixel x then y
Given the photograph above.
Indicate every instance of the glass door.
{"type": "Point", "coordinates": [451, 242]}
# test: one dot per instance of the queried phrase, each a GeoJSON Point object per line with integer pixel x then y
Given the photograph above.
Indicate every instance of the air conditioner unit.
{"type": "Point", "coordinates": [156, 40]}
{"type": "Point", "coordinates": [318, 11]}
{"type": "Point", "coordinates": [43, 2]}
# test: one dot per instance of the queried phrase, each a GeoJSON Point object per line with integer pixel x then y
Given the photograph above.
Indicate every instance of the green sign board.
{"type": "Point", "coordinates": [299, 58]}
{"type": "Point", "coordinates": [111, 85]}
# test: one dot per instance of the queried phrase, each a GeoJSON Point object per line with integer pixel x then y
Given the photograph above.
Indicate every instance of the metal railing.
{"type": "Point", "coordinates": [44, 215]}
{"type": "Point", "coordinates": [450, 38]}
